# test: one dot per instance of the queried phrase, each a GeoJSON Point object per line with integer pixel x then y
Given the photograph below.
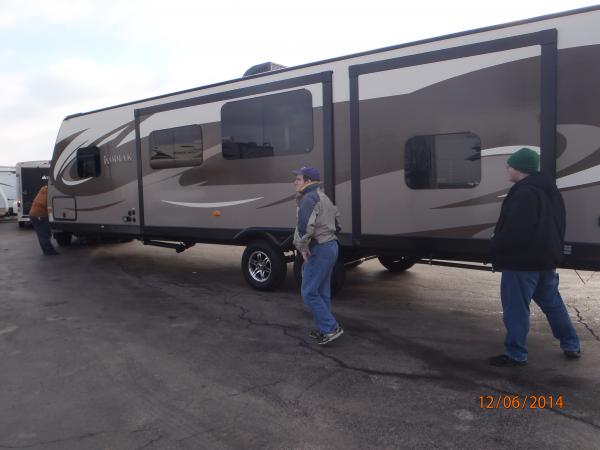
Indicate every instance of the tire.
{"type": "Point", "coordinates": [263, 266]}
{"type": "Point", "coordinates": [398, 263]}
{"type": "Point", "coordinates": [338, 277]}
{"type": "Point", "coordinates": [63, 239]}
{"type": "Point", "coordinates": [21, 224]}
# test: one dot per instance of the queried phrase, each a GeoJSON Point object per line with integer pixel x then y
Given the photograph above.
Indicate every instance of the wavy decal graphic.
{"type": "Point", "coordinates": [580, 179]}
{"type": "Point", "coordinates": [95, 208]}
{"type": "Point", "coordinates": [212, 205]}
{"type": "Point", "coordinates": [280, 202]}
{"type": "Point", "coordinates": [508, 150]}
{"type": "Point", "coordinates": [67, 157]}
{"type": "Point", "coordinates": [454, 232]}
{"type": "Point", "coordinates": [583, 173]}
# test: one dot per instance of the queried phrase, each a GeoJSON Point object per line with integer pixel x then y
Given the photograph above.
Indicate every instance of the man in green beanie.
{"type": "Point", "coordinates": [527, 246]}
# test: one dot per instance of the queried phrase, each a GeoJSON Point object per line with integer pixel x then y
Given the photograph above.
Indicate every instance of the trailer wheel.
{"type": "Point", "coordinates": [263, 266]}
{"type": "Point", "coordinates": [397, 264]}
{"type": "Point", "coordinates": [338, 277]}
{"type": "Point", "coordinates": [63, 238]}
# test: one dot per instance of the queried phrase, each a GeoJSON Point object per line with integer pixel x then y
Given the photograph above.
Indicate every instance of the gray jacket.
{"type": "Point", "coordinates": [318, 218]}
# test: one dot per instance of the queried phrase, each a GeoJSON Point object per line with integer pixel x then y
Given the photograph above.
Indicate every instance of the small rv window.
{"type": "Point", "coordinates": [88, 162]}
{"type": "Point", "coordinates": [443, 161]}
{"type": "Point", "coordinates": [272, 125]}
{"type": "Point", "coordinates": [176, 147]}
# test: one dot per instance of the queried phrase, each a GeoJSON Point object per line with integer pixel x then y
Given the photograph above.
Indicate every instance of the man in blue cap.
{"type": "Point", "coordinates": [527, 246]}
{"type": "Point", "coordinates": [315, 238]}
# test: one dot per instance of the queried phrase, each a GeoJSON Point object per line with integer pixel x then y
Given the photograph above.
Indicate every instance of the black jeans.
{"type": "Point", "coordinates": [41, 226]}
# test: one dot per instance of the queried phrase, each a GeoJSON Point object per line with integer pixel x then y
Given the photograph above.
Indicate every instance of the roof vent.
{"type": "Point", "coordinates": [263, 67]}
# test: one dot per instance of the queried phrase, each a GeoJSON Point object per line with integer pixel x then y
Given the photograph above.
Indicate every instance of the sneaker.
{"type": "Point", "coordinates": [505, 361]}
{"type": "Point", "coordinates": [326, 338]}
{"type": "Point", "coordinates": [570, 354]}
{"type": "Point", "coordinates": [315, 334]}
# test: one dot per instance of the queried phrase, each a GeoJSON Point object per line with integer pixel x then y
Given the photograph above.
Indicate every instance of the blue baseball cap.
{"type": "Point", "coordinates": [308, 172]}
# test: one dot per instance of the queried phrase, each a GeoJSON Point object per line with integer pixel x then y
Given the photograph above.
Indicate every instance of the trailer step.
{"type": "Point", "coordinates": [178, 247]}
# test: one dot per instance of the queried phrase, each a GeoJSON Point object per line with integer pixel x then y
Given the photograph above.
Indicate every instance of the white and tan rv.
{"type": "Point", "coordinates": [412, 142]}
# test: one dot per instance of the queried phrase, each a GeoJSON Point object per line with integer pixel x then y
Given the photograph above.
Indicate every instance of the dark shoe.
{"type": "Point", "coordinates": [326, 338]}
{"type": "Point", "coordinates": [506, 361]}
{"type": "Point", "coordinates": [315, 334]}
{"type": "Point", "coordinates": [570, 354]}
{"type": "Point", "coordinates": [52, 253]}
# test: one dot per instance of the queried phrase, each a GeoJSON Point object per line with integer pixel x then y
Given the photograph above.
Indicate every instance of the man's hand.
{"type": "Point", "coordinates": [305, 254]}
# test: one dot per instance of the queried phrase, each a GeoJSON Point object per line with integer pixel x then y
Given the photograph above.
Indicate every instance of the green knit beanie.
{"type": "Point", "coordinates": [524, 160]}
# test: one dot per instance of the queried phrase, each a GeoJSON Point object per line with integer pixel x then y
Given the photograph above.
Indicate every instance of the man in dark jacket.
{"type": "Point", "coordinates": [527, 246]}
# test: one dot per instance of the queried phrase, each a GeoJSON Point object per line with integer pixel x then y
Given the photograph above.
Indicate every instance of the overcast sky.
{"type": "Point", "coordinates": [61, 57]}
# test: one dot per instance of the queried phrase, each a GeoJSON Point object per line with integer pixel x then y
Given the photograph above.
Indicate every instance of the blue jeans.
{"type": "Point", "coordinates": [41, 225]}
{"type": "Point", "coordinates": [316, 284]}
{"type": "Point", "coordinates": [517, 288]}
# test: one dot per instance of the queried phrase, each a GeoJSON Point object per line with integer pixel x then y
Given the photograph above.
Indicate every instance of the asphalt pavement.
{"type": "Point", "coordinates": [122, 346]}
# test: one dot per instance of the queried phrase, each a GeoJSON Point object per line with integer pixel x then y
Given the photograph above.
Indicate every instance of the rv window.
{"type": "Point", "coordinates": [443, 161]}
{"type": "Point", "coordinates": [88, 162]}
{"type": "Point", "coordinates": [176, 147]}
{"type": "Point", "coordinates": [272, 125]}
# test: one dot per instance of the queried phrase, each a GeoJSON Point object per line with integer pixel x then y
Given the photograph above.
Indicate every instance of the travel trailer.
{"type": "Point", "coordinates": [3, 203]}
{"type": "Point", "coordinates": [411, 141]}
{"type": "Point", "coordinates": [31, 176]}
{"type": "Point", "coordinates": [8, 183]}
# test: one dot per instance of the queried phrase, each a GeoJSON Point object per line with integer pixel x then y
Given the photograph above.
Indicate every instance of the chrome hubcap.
{"type": "Point", "coordinates": [259, 265]}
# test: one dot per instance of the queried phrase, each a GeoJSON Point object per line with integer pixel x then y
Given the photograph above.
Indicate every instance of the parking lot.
{"type": "Point", "coordinates": [121, 346]}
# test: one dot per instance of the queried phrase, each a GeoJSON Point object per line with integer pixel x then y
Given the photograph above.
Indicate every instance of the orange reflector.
{"type": "Point", "coordinates": [216, 213]}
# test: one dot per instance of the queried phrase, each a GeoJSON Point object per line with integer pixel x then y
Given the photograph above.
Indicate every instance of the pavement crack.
{"type": "Point", "coordinates": [200, 433]}
{"type": "Point", "coordinates": [243, 316]}
{"type": "Point", "coordinates": [584, 323]}
{"type": "Point", "coordinates": [58, 441]}
{"type": "Point", "coordinates": [318, 381]}
{"type": "Point", "coordinates": [150, 442]}
{"type": "Point", "coordinates": [259, 386]}
{"type": "Point", "coordinates": [383, 373]}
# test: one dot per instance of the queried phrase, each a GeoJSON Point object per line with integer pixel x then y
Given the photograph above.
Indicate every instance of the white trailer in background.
{"type": "Point", "coordinates": [3, 203]}
{"type": "Point", "coordinates": [31, 176]}
{"type": "Point", "coordinates": [8, 184]}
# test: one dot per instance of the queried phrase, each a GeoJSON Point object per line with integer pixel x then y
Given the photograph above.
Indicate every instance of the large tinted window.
{"type": "Point", "coordinates": [443, 161]}
{"type": "Point", "coordinates": [88, 162]}
{"type": "Point", "coordinates": [273, 125]}
{"type": "Point", "coordinates": [176, 147]}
